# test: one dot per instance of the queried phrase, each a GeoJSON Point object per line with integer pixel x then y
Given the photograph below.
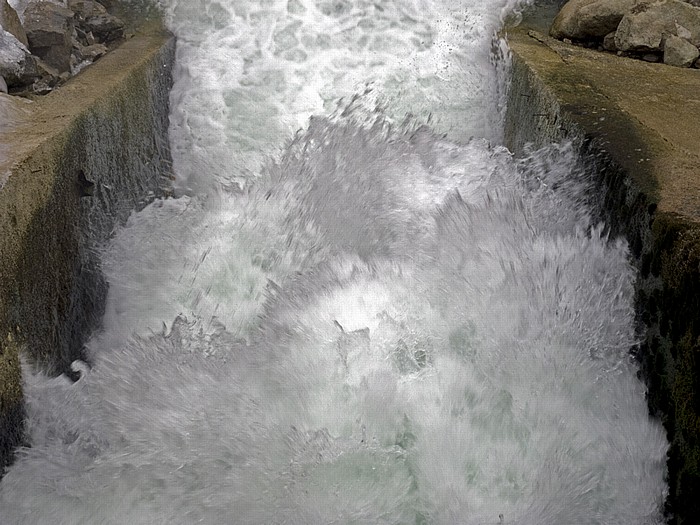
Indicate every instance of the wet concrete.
{"type": "Point", "coordinates": [637, 124]}
{"type": "Point", "coordinates": [73, 164]}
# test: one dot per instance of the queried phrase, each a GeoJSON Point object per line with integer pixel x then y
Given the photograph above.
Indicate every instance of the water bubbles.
{"type": "Point", "coordinates": [372, 320]}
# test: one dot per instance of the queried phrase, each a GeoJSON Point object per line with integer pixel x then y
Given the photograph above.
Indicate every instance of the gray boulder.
{"type": "Point", "coordinates": [679, 52]}
{"type": "Point", "coordinates": [49, 30]}
{"type": "Point", "coordinates": [92, 17]}
{"type": "Point", "coordinates": [9, 21]}
{"type": "Point", "coordinates": [86, 8]}
{"type": "Point", "coordinates": [646, 25]}
{"type": "Point", "coordinates": [17, 65]}
{"type": "Point", "coordinates": [609, 42]}
{"type": "Point", "coordinates": [585, 19]}
{"type": "Point", "coordinates": [91, 52]}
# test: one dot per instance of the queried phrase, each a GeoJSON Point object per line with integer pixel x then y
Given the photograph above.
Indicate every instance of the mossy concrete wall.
{"type": "Point", "coordinates": [637, 126]}
{"type": "Point", "coordinates": [72, 166]}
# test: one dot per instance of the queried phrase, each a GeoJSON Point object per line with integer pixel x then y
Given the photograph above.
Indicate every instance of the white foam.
{"type": "Point", "coordinates": [252, 72]}
{"type": "Point", "coordinates": [372, 323]}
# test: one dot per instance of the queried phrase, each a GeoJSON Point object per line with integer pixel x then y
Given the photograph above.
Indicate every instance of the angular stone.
{"type": "Point", "coordinates": [48, 24]}
{"type": "Point", "coordinates": [644, 27]}
{"type": "Point", "coordinates": [92, 52]}
{"type": "Point", "coordinates": [584, 19]}
{"type": "Point", "coordinates": [17, 65]}
{"type": "Point", "coordinates": [679, 52]}
{"type": "Point", "coordinates": [92, 17]}
{"type": "Point", "coordinates": [609, 42]}
{"type": "Point", "coordinates": [105, 28]}
{"type": "Point", "coordinates": [9, 21]}
{"type": "Point", "coordinates": [86, 8]}
{"type": "Point", "coordinates": [49, 30]}
{"type": "Point", "coordinates": [47, 71]}
{"type": "Point", "coordinates": [50, 77]}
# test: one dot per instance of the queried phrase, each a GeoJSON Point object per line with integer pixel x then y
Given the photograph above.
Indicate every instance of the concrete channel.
{"type": "Point", "coordinates": [73, 165]}
{"type": "Point", "coordinates": [80, 159]}
{"type": "Point", "coordinates": [636, 125]}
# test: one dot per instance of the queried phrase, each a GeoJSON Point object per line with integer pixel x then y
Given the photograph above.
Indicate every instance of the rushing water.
{"type": "Point", "coordinates": [359, 308]}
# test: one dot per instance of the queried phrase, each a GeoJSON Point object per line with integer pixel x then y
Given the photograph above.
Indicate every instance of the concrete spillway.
{"type": "Point", "coordinates": [73, 165]}
{"type": "Point", "coordinates": [637, 124]}
{"type": "Point", "coordinates": [108, 127]}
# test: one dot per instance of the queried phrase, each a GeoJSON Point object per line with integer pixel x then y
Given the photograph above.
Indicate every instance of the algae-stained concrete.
{"type": "Point", "coordinates": [638, 124]}
{"type": "Point", "coordinates": [73, 165]}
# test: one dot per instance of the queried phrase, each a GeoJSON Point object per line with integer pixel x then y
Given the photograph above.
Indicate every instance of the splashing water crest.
{"type": "Point", "coordinates": [350, 315]}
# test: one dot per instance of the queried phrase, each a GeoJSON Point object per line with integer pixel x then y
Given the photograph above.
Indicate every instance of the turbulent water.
{"type": "Point", "coordinates": [359, 308]}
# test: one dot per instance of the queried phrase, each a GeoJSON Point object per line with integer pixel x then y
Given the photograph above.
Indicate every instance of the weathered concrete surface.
{"type": "Point", "coordinates": [640, 123]}
{"type": "Point", "coordinates": [108, 125]}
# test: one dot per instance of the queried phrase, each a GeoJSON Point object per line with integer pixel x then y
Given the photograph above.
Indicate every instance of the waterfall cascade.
{"type": "Point", "coordinates": [359, 308]}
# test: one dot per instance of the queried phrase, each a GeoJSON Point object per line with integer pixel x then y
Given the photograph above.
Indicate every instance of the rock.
{"type": "Point", "coordinates": [644, 27]}
{"type": "Point", "coordinates": [86, 8]}
{"type": "Point", "coordinates": [9, 21]}
{"type": "Point", "coordinates": [17, 65]}
{"type": "Point", "coordinates": [3, 85]}
{"type": "Point", "coordinates": [584, 19]}
{"type": "Point", "coordinates": [47, 72]}
{"type": "Point", "coordinates": [49, 29]}
{"type": "Point", "coordinates": [651, 57]}
{"type": "Point", "coordinates": [92, 17]}
{"type": "Point", "coordinates": [105, 28]}
{"type": "Point", "coordinates": [609, 42]}
{"type": "Point", "coordinates": [679, 52]}
{"type": "Point", "coordinates": [86, 38]}
{"type": "Point", "coordinates": [84, 55]}
{"type": "Point", "coordinates": [50, 78]}
{"type": "Point", "coordinates": [42, 87]}
{"type": "Point", "coordinates": [92, 52]}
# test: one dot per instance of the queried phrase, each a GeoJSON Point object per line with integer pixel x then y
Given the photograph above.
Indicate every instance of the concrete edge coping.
{"type": "Point", "coordinates": [39, 120]}
{"type": "Point", "coordinates": [631, 108]}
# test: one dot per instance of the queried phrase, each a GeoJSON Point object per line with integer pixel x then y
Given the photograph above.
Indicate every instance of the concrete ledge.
{"type": "Point", "coordinates": [638, 124]}
{"type": "Point", "coordinates": [72, 167]}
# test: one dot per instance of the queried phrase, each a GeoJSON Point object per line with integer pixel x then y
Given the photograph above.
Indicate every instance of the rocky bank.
{"type": "Point", "coordinates": [44, 42]}
{"type": "Point", "coordinates": [665, 31]}
{"type": "Point", "coordinates": [636, 125]}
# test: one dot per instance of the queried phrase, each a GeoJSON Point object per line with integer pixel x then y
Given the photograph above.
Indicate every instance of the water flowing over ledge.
{"type": "Point", "coordinates": [323, 327]}
{"type": "Point", "coordinates": [636, 125]}
{"type": "Point", "coordinates": [73, 166]}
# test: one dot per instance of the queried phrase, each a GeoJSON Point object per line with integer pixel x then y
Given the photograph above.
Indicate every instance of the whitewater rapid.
{"type": "Point", "coordinates": [358, 307]}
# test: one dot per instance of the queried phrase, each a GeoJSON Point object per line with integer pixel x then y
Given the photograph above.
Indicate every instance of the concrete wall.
{"type": "Point", "coordinates": [107, 126]}
{"type": "Point", "coordinates": [636, 126]}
